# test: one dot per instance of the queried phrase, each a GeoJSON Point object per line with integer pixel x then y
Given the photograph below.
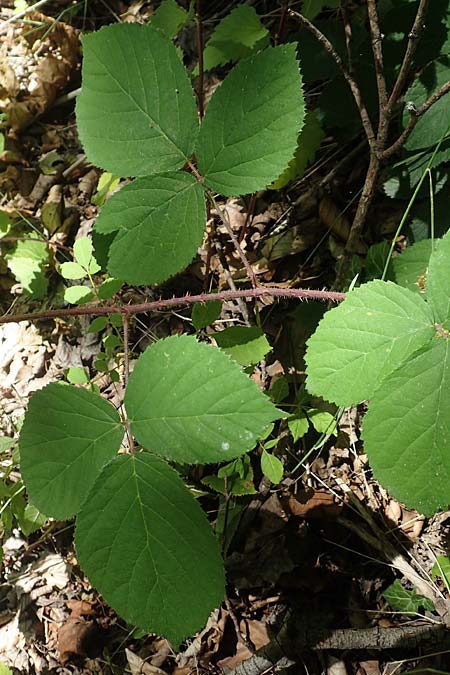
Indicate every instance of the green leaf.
{"type": "Point", "coordinates": [438, 281]}
{"type": "Point", "coordinates": [4, 670]}
{"type": "Point", "coordinates": [169, 18]}
{"type": "Point", "coordinates": [322, 421]}
{"type": "Point", "coordinates": [235, 478]}
{"type": "Point", "coordinates": [159, 222]}
{"type": "Point", "coordinates": [109, 288]}
{"type": "Point", "coordinates": [205, 313]}
{"type": "Point", "coordinates": [271, 467]}
{"type": "Point", "coordinates": [308, 143]}
{"type": "Point", "coordinates": [410, 267]}
{"type": "Point", "coordinates": [407, 430]}
{"type": "Point", "coordinates": [249, 132]}
{"type": "Point", "coordinates": [146, 545]}
{"type": "Point", "coordinates": [136, 114]}
{"type": "Point", "coordinates": [311, 8]}
{"type": "Point", "coordinates": [27, 262]}
{"type": "Point", "coordinates": [78, 295]}
{"type": "Point", "coordinates": [376, 260]}
{"type": "Point", "coordinates": [189, 402]}
{"type": "Point", "coordinates": [67, 436]}
{"type": "Point", "coordinates": [298, 425]}
{"type": "Point", "coordinates": [6, 443]}
{"type": "Point", "coordinates": [441, 569]}
{"type": "Point", "coordinates": [72, 270]}
{"type": "Point", "coordinates": [245, 344]}
{"type": "Point", "coordinates": [98, 324]}
{"type": "Point", "coordinates": [31, 520]}
{"type": "Point", "coordinates": [234, 38]}
{"type": "Point", "coordinates": [106, 184]}
{"type": "Point", "coordinates": [357, 344]}
{"type": "Point", "coordinates": [433, 125]}
{"type": "Point", "coordinates": [83, 253]}
{"type": "Point", "coordinates": [403, 600]}
{"type": "Point", "coordinates": [77, 375]}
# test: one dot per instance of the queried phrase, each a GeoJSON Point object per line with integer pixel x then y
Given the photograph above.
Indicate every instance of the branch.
{"type": "Point", "coordinates": [413, 119]}
{"type": "Point", "coordinates": [223, 215]}
{"type": "Point", "coordinates": [414, 36]}
{"type": "Point", "coordinates": [365, 119]}
{"type": "Point", "coordinates": [383, 118]}
{"type": "Point", "coordinates": [143, 308]}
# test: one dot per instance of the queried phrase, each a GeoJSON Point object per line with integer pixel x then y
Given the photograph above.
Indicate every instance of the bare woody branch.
{"type": "Point", "coordinates": [374, 22]}
{"type": "Point", "coordinates": [413, 40]}
{"type": "Point", "coordinates": [365, 119]}
{"type": "Point", "coordinates": [414, 118]}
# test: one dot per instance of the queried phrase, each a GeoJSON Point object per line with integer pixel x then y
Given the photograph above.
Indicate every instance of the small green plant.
{"type": "Point", "coordinates": [141, 537]}
{"type": "Point", "coordinates": [390, 345]}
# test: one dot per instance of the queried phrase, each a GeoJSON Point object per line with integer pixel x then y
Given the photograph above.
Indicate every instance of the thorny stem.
{"type": "Point", "coordinates": [198, 24]}
{"type": "Point", "coordinates": [168, 303]}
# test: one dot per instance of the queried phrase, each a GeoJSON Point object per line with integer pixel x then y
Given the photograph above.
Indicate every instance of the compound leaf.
{"type": "Point", "coordinates": [357, 344]}
{"type": "Point", "coordinates": [67, 436]}
{"type": "Point", "coordinates": [146, 545]}
{"type": "Point", "coordinates": [438, 281]}
{"type": "Point", "coordinates": [136, 114]}
{"type": "Point", "coordinates": [407, 430]}
{"type": "Point", "coordinates": [159, 223]}
{"type": "Point", "coordinates": [191, 403]}
{"type": "Point", "coordinates": [249, 132]}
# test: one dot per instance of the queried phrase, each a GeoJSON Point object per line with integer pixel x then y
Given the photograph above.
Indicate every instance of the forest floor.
{"type": "Point", "coordinates": [315, 552]}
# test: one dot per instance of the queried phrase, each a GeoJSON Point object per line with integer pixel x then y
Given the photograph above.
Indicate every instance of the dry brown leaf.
{"type": "Point", "coordinates": [34, 67]}
{"type": "Point", "coordinates": [72, 637]}
{"type": "Point", "coordinates": [314, 504]}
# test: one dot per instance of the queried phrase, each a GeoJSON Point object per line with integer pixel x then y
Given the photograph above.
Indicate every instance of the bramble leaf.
{"type": "Point", "coordinates": [136, 114]}
{"type": "Point", "coordinates": [407, 430]}
{"type": "Point", "coordinates": [145, 544]}
{"type": "Point", "coordinates": [205, 313]}
{"type": "Point", "coordinates": [356, 345]}
{"type": "Point", "coordinates": [234, 38]}
{"type": "Point", "coordinates": [309, 141]}
{"type": "Point", "coordinates": [189, 402]}
{"type": "Point", "coordinates": [245, 344]}
{"type": "Point", "coordinates": [438, 281]}
{"type": "Point", "coordinates": [169, 17]}
{"type": "Point", "coordinates": [249, 132]}
{"type": "Point", "coordinates": [67, 436]}
{"type": "Point", "coordinates": [159, 223]}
